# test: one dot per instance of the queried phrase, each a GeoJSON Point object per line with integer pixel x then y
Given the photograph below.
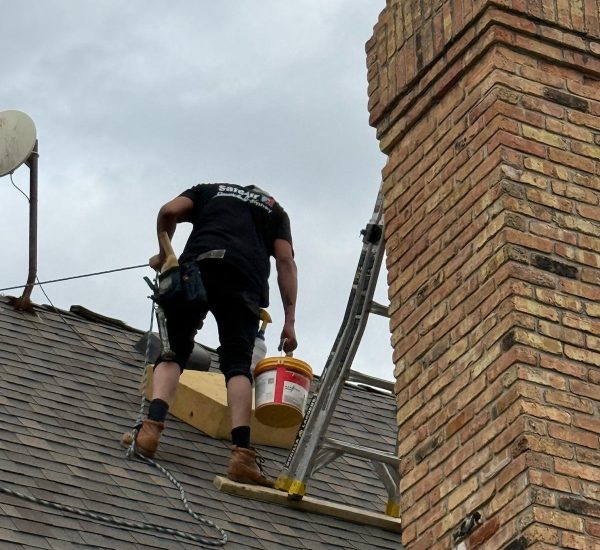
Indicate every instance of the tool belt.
{"type": "Point", "coordinates": [181, 287]}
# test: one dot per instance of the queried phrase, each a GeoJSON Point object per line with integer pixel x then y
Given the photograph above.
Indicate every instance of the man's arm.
{"type": "Point", "coordinates": [287, 279]}
{"type": "Point", "coordinates": [176, 211]}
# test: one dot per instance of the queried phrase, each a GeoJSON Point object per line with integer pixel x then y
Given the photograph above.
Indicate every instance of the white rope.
{"type": "Point", "coordinates": [131, 451]}
{"type": "Point", "coordinates": [203, 541]}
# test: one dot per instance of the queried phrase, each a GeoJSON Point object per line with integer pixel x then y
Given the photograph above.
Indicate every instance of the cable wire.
{"type": "Point", "coordinates": [77, 276]}
{"type": "Point", "coordinates": [18, 188]}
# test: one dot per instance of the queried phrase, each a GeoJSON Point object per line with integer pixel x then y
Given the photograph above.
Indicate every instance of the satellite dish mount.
{"type": "Point", "coordinates": [18, 145]}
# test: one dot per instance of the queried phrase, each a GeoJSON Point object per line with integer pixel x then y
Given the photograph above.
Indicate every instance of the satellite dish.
{"type": "Point", "coordinates": [17, 140]}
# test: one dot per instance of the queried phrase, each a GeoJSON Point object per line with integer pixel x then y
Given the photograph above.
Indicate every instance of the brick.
{"type": "Point", "coordinates": [579, 506]}
{"type": "Point", "coordinates": [539, 376]}
{"type": "Point", "coordinates": [504, 536]}
{"type": "Point", "coordinates": [558, 332]}
{"type": "Point", "coordinates": [569, 130]}
{"type": "Point", "coordinates": [580, 323]}
{"type": "Point", "coordinates": [590, 243]}
{"type": "Point", "coordinates": [577, 437]}
{"type": "Point", "coordinates": [580, 542]}
{"type": "Point", "coordinates": [544, 136]}
{"type": "Point", "coordinates": [542, 411]}
{"type": "Point", "coordinates": [545, 445]}
{"type": "Point", "coordinates": [588, 390]}
{"type": "Point", "coordinates": [590, 292]}
{"type": "Point", "coordinates": [542, 534]}
{"type": "Point", "coordinates": [472, 466]}
{"type": "Point", "coordinates": [593, 528]}
{"type": "Point", "coordinates": [593, 310]}
{"type": "Point", "coordinates": [547, 168]}
{"type": "Point", "coordinates": [572, 191]}
{"type": "Point", "coordinates": [556, 482]}
{"type": "Point", "coordinates": [550, 200]}
{"type": "Point", "coordinates": [461, 493]}
{"type": "Point", "coordinates": [535, 308]}
{"type": "Point", "coordinates": [484, 532]}
{"type": "Point", "coordinates": [564, 366]}
{"type": "Point", "coordinates": [558, 519]}
{"type": "Point", "coordinates": [493, 252]}
{"type": "Point", "coordinates": [539, 342]}
{"type": "Point", "coordinates": [584, 356]}
{"type": "Point", "coordinates": [556, 234]}
{"type": "Point", "coordinates": [571, 160]}
{"type": "Point", "coordinates": [569, 401]}
{"type": "Point", "coordinates": [586, 150]}
{"type": "Point", "coordinates": [561, 269]}
{"type": "Point", "coordinates": [505, 500]}
{"type": "Point", "coordinates": [542, 106]}
{"type": "Point", "coordinates": [567, 100]}
{"type": "Point", "coordinates": [576, 470]}
{"type": "Point", "coordinates": [588, 456]}
{"type": "Point", "coordinates": [582, 119]}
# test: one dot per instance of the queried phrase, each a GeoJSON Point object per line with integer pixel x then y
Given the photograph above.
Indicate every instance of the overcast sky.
{"type": "Point", "coordinates": [136, 101]}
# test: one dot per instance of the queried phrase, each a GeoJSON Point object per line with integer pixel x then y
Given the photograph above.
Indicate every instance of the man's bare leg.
{"type": "Point", "coordinates": [165, 381]}
{"type": "Point", "coordinates": [239, 400]}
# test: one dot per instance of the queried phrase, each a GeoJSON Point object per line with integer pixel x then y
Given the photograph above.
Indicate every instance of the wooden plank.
{"type": "Point", "coordinates": [309, 504]}
{"type": "Point", "coordinates": [201, 402]}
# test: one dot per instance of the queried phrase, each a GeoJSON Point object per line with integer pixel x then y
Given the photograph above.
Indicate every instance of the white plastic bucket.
{"type": "Point", "coordinates": [281, 386]}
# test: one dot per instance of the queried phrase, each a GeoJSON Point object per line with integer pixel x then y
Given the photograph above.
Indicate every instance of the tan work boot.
{"type": "Point", "coordinates": [147, 438]}
{"type": "Point", "coordinates": [245, 466]}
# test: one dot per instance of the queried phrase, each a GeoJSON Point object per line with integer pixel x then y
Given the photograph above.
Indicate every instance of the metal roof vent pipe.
{"type": "Point", "coordinates": [18, 145]}
{"type": "Point", "coordinates": [199, 360]}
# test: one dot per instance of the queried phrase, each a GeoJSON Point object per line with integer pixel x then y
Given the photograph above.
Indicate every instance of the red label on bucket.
{"type": "Point", "coordinates": [282, 386]}
{"type": "Point", "coordinates": [291, 388]}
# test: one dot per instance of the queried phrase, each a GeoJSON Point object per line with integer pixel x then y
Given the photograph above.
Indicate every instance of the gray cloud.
{"type": "Point", "coordinates": [136, 101]}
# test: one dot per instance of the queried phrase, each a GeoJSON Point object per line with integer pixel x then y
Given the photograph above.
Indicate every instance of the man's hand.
{"type": "Point", "coordinates": [156, 262]}
{"type": "Point", "coordinates": [288, 338]}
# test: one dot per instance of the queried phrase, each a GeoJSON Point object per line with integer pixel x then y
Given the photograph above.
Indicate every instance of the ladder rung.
{"type": "Point", "coordinates": [379, 309]}
{"type": "Point", "coordinates": [360, 378]}
{"type": "Point", "coordinates": [362, 452]}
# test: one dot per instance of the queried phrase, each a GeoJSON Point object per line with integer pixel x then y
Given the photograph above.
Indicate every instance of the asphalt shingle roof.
{"type": "Point", "coordinates": [63, 408]}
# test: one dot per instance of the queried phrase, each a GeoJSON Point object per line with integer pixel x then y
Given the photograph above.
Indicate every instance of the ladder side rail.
{"type": "Point", "coordinates": [346, 330]}
{"type": "Point", "coordinates": [300, 465]}
{"type": "Point", "coordinates": [309, 435]}
{"type": "Point", "coordinates": [315, 403]}
{"type": "Point", "coordinates": [376, 220]}
{"type": "Point", "coordinates": [390, 476]}
{"type": "Point", "coordinates": [318, 413]}
{"type": "Point", "coordinates": [357, 297]}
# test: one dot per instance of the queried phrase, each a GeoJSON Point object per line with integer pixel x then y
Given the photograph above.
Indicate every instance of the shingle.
{"type": "Point", "coordinates": [7, 523]}
{"type": "Point", "coordinates": [65, 406]}
{"type": "Point", "coordinates": [36, 541]}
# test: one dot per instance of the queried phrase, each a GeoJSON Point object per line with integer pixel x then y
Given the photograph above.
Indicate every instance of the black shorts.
{"type": "Point", "coordinates": [236, 311]}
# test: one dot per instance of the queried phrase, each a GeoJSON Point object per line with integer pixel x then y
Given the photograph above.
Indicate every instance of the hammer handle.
{"type": "Point", "coordinates": [170, 258]}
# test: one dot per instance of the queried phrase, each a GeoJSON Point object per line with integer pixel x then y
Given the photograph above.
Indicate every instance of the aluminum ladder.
{"type": "Point", "coordinates": [312, 450]}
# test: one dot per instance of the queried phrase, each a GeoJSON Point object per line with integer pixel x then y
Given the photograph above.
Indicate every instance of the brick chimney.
{"type": "Point", "coordinates": [489, 113]}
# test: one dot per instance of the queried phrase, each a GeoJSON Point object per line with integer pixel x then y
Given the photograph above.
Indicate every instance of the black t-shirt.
{"type": "Point", "coordinates": [241, 221]}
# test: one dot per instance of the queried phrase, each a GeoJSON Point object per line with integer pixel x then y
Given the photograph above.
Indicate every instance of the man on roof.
{"type": "Point", "coordinates": [235, 232]}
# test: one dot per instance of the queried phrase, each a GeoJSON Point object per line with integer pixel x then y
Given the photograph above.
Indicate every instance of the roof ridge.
{"type": "Point", "coordinates": [80, 312]}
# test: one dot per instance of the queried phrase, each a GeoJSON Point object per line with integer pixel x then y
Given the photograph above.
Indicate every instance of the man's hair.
{"type": "Point", "coordinates": [256, 188]}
